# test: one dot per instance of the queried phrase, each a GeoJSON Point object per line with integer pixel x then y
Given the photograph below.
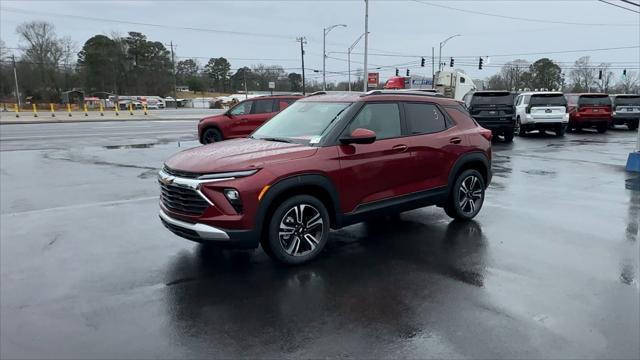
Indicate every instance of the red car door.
{"type": "Point", "coordinates": [240, 116]}
{"type": "Point", "coordinates": [379, 170]}
{"type": "Point", "coordinates": [261, 112]}
{"type": "Point", "coordinates": [432, 144]}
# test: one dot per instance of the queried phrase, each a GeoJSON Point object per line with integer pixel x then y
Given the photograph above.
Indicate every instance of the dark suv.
{"type": "Point", "coordinates": [626, 110]}
{"type": "Point", "coordinates": [493, 110]}
{"type": "Point", "coordinates": [325, 162]}
{"type": "Point", "coordinates": [243, 118]}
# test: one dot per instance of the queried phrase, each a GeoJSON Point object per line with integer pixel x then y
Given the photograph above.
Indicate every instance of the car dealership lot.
{"type": "Point", "coordinates": [548, 269]}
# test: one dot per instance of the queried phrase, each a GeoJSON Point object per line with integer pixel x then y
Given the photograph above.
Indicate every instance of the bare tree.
{"type": "Point", "coordinates": [512, 72]}
{"type": "Point", "coordinates": [583, 74]}
{"type": "Point", "coordinates": [628, 84]}
{"type": "Point", "coordinates": [605, 83]}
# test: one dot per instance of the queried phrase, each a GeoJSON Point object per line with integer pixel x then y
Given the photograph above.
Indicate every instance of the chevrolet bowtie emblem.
{"type": "Point", "coordinates": [166, 180]}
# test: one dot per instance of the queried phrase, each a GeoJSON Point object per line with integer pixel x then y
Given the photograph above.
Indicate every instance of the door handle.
{"type": "Point", "coordinates": [455, 140]}
{"type": "Point", "coordinates": [400, 148]}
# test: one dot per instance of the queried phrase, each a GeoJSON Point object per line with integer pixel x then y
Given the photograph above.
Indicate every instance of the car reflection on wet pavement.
{"type": "Point", "coordinates": [549, 269]}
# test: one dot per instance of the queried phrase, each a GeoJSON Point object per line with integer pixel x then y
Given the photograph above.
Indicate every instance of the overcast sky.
{"type": "Point", "coordinates": [268, 30]}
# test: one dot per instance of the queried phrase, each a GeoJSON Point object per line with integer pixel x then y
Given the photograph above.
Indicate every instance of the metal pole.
{"type": "Point", "coordinates": [324, 58]}
{"type": "Point", "coordinates": [366, 43]}
{"type": "Point", "coordinates": [302, 40]}
{"type": "Point", "coordinates": [15, 78]}
{"type": "Point", "coordinates": [349, 67]}
{"type": "Point", "coordinates": [244, 76]}
{"type": "Point", "coordinates": [433, 67]}
{"type": "Point", "coordinates": [175, 85]}
{"type": "Point", "coordinates": [440, 58]}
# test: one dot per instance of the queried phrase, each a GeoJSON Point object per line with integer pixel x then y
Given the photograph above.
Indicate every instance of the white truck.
{"type": "Point", "coordinates": [454, 84]}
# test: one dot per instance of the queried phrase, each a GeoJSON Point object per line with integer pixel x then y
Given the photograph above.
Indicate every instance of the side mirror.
{"type": "Point", "coordinates": [360, 136]}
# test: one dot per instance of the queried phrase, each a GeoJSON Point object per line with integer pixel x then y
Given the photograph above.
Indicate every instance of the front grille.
{"type": "Point", "coordinates": [182, 200]}
{"type": "Point", "coordinates": [180, 173]}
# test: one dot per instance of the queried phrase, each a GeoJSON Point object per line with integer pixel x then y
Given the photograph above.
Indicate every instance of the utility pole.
{"type": "Point", "coordinates": [433, 67]}
{"type": "Point", "coordinates": [15, 78]}
{"type": "Point", "coordinates": [244, 77]}
{"type": "Point", "coordinates": [175, 85]}
{"type": "Point", "coordinates": [302, 41]}
{"type": "Point", "coordinates": [349, 58]}
{"type": "Point", "coordinates": [325, 31]}
{"type": "Point", "coordinates": [366, 44]}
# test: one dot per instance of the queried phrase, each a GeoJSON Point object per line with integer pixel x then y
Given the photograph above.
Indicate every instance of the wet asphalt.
{"type": "Point", "coordinates": [549, 268]}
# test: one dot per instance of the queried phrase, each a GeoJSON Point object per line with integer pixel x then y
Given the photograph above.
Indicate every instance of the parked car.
{"type": "Point", "coordinates": [626, 110]}
{"type": "Point", "coordinates": [542, 111]}
{"type": "Point", "coordinates": [325, 162]}
{"type": "Point", "coordinates": [493, 110]}
{"type": "Point", "coordinates": [589, 110]}
{"type": "Point", "coordinates": [243, 118]}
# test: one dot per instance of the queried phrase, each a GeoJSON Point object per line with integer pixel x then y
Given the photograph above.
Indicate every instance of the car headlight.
{"type": "Point", "coordinates": [234, 199]}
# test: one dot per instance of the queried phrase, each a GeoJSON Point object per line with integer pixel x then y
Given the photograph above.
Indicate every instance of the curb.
{"type": "Point", "coordinates": [52, 121]}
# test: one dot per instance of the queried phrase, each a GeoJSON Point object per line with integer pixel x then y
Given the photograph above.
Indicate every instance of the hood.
{"type": "Point", "coordinates": [239, 154]}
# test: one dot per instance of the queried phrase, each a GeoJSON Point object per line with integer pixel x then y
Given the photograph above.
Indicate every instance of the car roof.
{"type": "Point", "coordinates": [625, 95]}
{"type": "Point", "coordinates": [593, 94]}
{"type": "Point", "coordinates": [483, 92]}
{"type": "Point", "coordinates": [380, 95]}
{"type": "Point", "coordinates": [541, 92]}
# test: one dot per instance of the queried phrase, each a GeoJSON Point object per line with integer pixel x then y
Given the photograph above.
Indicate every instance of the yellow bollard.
{"type": "Point", "coordinates": [86, 112]}
{"type": "Point", "coordinates": [117, 108]}
{"type": "Point", "coordinates": [69, 109]}
{"type": "Point", "coordinates": [53, 112]}
{"type": "Point", "coordinates": [35, 110]}
{"type": "Point", "coordinates": [17, 110]}
{"type": "Point", "coordinates": [144, 106]}
{"type": "Point", "coordinates": [101, 109]}
{"type": "Point", "coordinates": [130, 108]}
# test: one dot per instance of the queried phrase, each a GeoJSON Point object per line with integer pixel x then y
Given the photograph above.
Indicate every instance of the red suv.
{"type": "Point", "coordinates": [242, 119]}
{"type": "Point", "coordinates": [325, 162]}
{"type": "Point", "coordinates": [589, 110]}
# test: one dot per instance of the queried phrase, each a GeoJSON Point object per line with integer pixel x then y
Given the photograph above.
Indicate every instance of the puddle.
{"type": "Point", "coordinates": [131, 146]}
{"type": "Point", "coordinates": [539, 172]}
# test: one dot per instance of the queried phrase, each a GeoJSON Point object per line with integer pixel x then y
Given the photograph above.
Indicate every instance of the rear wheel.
{"type": "Point", "coordinates": [467, 196]}
{"type": "Point", "coordinates": [632, 126]}
{"type": "Point", "coordinates": [519, 129]}
{"type": "Point", "coordinates": [560, 130]}
{"type": "Point", "coordinates": [211, 135]}
{"type": "Point", "coordinates": [508, 135]}
{"type": "Point", "coordinates": [298, 230]}
{"type": "Point", "coordinates": [602, 128]}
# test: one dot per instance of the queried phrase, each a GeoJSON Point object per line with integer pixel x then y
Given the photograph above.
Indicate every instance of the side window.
{"type": "Point", "coordinates": [525, 99]}
{"type": "Point", "coordinates": [462, 80]}
{"type": "Point", "coordinates": [262, 106]}
{"type": "Point", "coordinates": [519, 100]}
{"type": "Point", "coordinates": [243, 108]}
{"type": "Point", "coordinates": [424, 118]}
{"type": "Point", "coordinates": [283, 103]}
{"type": "Point", "coordinates": [382, 118]}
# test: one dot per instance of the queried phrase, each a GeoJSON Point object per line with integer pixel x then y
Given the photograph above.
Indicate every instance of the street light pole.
{"type": "Point", "coordinates": [366, 43]}
{"type": "Point", "coordinates": [325, 31]}
{"type": "Point", "coordinates": [302, 40]}
{"type": "Point", "coordinates": [442, 43]}
{"type": "Point", "coordinates": [349, 57]}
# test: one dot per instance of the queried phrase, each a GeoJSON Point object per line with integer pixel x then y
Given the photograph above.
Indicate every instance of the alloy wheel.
{"type": "Point", "coordinates": [470, 194]}
{"type": "Point", "coordinates": [301, 230]}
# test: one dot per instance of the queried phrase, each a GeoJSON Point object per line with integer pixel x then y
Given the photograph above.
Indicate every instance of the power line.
{"type": "Point", "coordinates": [631, 2]}
{"type": "Point", "coordinates": [621, 7]}
{"type": "Point", "coordinates": [519, 18]}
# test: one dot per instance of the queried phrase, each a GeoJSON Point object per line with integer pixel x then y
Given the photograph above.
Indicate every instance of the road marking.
{"type": "Point", "coordinates": [103, 135]}
{"type": "Point", "coordinates": [81, 206]}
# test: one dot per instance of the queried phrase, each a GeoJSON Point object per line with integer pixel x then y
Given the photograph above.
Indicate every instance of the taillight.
{"type": "Point", "coordinates": [486, 134]}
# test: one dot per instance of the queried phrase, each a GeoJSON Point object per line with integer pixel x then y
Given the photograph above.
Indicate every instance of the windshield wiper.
{"type": "Point", "coordinates": [275, 139]}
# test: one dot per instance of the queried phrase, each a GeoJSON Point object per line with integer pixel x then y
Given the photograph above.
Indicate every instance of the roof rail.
{"type": "Point", "coordinates": [396, 92]}
{"type": "Point", "coordinates": [317, 93]}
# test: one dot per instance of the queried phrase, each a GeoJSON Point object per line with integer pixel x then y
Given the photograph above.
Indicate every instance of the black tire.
{"type": "Point", "coordinates": [211, 135]}
{"type": "Point", "coordinates": [456, 206]}
{"type": "Point", "coordinates": [508, 136]}
{"type": "Point", "coordinates": [519, 130]}
{"type": "Point", "coordinates": [602, 128]}
{"type": "Point", "coordinates": [294, 246]}
{"type": "Point", "coordinates": [560, 131]}
{"type": "Point", "coordinates": [632, 126]}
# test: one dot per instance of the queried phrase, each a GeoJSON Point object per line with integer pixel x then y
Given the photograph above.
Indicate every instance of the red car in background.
{"type": "Point", "coordinates": [242, 119]}
{"type": "Point", "coordinates": [589, 110]}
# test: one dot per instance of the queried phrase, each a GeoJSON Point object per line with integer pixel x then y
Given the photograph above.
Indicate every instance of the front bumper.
{"type": "Point", "coordinates": [207, 234]}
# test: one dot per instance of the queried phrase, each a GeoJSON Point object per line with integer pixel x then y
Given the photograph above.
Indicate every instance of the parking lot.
{"type": "Point", "coordinates": [549, 268]}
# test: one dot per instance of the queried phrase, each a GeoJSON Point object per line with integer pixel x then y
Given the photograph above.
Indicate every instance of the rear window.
{"type": "Point", "coordinates": [597, 100]}
{"type": "Point", "coordinates": [548, 100]}
{"type": "Point", "coordinates": [424, 118]}
{"type": "Point", "coordinates": [627, 100]}
{"type": "Point", "coordinates": [492, 98]}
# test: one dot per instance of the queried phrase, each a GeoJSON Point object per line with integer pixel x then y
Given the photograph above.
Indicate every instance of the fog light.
{"type": "Point", "coordinates": [232, 194]}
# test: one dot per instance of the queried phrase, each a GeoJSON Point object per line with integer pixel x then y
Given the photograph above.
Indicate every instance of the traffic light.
{"type": "Point", "coordinates": [600, 75]}
{"type": "Point", "coordinates": [422, 62]}
{"type": "Point", "coordinates": [624, 72]}
{"type": "Point", "coordinates": [397, 72]}
{"type": "Point", "coordinates": [451, 62]}
{"type": "Point", "coordinates": [480, 63]}
{"type": "Point", "coordinates": [407, 72]}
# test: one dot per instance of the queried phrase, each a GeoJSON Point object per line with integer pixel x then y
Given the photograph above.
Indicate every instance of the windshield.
{"type": "Point", "coordinates": [301, 122]}
{"type": "Point", "coordinates": [548, 100]}
{"type": "Point", "coordinates": [627, 100]}
{"type": "Point", "coordinates": [597, 100]}
{"type": "Point", "coordinates": [492, 99]}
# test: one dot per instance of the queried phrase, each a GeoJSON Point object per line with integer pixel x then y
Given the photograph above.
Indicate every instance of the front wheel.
{"type": "Point", "coordinates": [298, 230]}
{"type": "Point", "coordinates": [211, 135]}
{"type": "Point", "coordinates": [519, 129]}
{"type": "Point", "coordinates": [467, 196]}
